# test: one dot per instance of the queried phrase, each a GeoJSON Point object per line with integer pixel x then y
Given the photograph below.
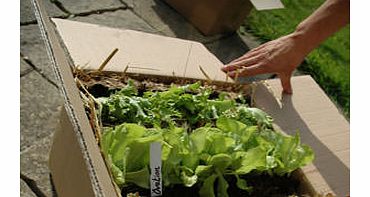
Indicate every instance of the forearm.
{"type": "Point", "coordinates": [325, 21]}
{"type": "Point", "coordinates": [283, 55]}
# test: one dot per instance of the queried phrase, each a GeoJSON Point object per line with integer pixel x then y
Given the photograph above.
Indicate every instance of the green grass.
{"type": "Point", "coordinates": [328, 64]}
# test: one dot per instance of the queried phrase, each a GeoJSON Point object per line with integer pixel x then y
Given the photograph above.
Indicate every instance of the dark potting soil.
{"type": "Point", "coordinates": [263, 185]}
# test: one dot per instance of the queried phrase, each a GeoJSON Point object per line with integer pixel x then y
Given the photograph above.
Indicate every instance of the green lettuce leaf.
{"type": "Point", "coordinates": [203, 140]}
{"type": "Point", "coordinates": [291, 153]}
{"type": "Point", "coordinates": [242, 184]}
{"type": "Point", "coordinates": [252, 159]}
{"type": "Point", "coordinates": [207, 189]}
{"type": "Point", "coordinates": [222, 186]}
{"type": "Point", "coordinates": [140, 178]}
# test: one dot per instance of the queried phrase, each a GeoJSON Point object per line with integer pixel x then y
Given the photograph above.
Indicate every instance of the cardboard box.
{"type": "Point", "coordinates": [76, 164]}
{"type": "Point", "coordinates": [219, 16]}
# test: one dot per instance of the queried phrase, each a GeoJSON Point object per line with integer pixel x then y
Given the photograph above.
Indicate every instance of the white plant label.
{"type": "Point", "coordinates": [156, 169]}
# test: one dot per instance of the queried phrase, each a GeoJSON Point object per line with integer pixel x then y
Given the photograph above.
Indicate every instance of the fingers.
{"type": "Point", "coordinates": [251, 54]}
{"type": "Point", "coordinates": [285, 82]}
{"type": "Point", "coordinates": [247, 71]}
{"type": "Point", "coordinates": [246, 62]}
{"type": "Point", "coordinates": [229, 68]}
{"type": "Point", "coordinates": [253, 67]}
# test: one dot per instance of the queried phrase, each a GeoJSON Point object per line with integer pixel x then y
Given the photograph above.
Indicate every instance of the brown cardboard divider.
{"type": "Point", "coordinates": [76, 155]}
{"type": "Point", "coordinates": [222, 16]}
{"type": "Point", "coordinates": [212, 17]}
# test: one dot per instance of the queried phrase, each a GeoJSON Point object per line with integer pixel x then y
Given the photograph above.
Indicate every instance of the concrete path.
{"type": "Point", "coordinates": [40, 99]}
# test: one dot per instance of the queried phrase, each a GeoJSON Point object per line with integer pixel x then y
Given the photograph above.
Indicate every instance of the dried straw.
{"type": "Point", "coordinates": [205, 74]}
{"type": "Point", "coordinates": [101, 67]}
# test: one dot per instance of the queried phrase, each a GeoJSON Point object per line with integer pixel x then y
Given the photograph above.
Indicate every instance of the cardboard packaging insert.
{"type": "Point", "coordinates": [221, 16]}
{"type": "Point", "coordinates": [76, 164]}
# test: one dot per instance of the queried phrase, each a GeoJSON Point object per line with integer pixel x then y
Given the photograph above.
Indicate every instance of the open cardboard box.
{"type": "Point", "coordinates": [76, 165]}
{"type": "Point", "coordinates": [221, 16]}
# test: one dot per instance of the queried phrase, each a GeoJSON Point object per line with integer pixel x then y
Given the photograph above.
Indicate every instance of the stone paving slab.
{"type": "Point", "coordinates": [166, 20]}
{"type": "Point", "coordinates": [25, 190]}
{"type": "Point", "coordinates": [24, 67]}
{"type": "Point", "coordinates": [118, 19]}
{"type": "Point", "coordinates": [39, 103]}
{"type": "Point", "coordinates": [129, 3]}
{"type": "Point", "coordinates": [229, 48]}
{"type": "Point", "coordinates": [33, 47]}
{"type": "Point", "coordinates": [80, 6]}
{"type": "Point", "coordinates": [27, 14]}
{"type": "Point", "coordinates": [34, 164]}
{"type": "Point", "coordinates": [249, 40]}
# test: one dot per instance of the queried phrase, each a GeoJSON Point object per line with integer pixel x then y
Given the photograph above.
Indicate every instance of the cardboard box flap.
{"type": "Point", "coordinates": [320, 125]}
{"type": "Point", "coordinates": [98, 182]}
{"type": "Point", "coordinates": [89, 45]}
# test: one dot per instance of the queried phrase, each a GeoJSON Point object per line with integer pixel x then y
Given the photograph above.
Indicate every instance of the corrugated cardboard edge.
{"type": "Point", "coordinates": [67, 163]}
{"type": "Point", "coordinates": [98, 182]}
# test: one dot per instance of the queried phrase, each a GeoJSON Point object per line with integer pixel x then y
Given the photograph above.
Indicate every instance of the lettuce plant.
{"type": "Point", "coordinates": [233, 139]}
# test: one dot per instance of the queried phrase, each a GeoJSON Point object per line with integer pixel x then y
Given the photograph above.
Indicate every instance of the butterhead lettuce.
{"type": "Point", "coordinates": [233, 140]}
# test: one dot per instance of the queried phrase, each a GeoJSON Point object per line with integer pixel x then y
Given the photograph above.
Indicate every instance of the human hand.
{"type": "Point", "coordinates": [280, 56]}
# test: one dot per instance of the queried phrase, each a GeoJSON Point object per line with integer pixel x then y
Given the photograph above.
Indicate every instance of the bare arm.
{"type": "Point", "coordinates": [284, 54]}
{"type": "Point", "coordinates": [328, 19]}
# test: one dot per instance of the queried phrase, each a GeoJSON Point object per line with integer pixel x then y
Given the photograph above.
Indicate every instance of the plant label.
{"type": "Point", "coordinates": [156, 169]}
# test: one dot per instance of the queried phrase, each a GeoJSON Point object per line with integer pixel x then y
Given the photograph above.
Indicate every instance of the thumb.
{"type": "Point", "coordinates": [285, 82]}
